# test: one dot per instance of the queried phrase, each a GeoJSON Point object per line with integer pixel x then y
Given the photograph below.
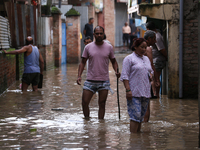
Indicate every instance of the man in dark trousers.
{"type": "Point", "coordinates": [159, 52]}
{"type": "Point", "coordinates": [133, 35]}
{"type": "Point", "coordinates": [99, 53]}
{"type": "Point", "coordinates": [88, 30]}
{"type": "Point", "coordinates": [33, 64]}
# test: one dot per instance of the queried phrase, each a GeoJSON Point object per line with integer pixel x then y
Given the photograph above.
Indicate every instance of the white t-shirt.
{"type": "Point", "coordinates": [126, 29]}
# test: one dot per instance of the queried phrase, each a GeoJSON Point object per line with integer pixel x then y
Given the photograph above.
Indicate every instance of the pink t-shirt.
{"type": "Point", "coordinates": [98, 56]}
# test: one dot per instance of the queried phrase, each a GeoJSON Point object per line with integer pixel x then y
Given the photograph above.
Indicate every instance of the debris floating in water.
{"type": "Point", "coordinates": [57, 109]}
{"type": "Point", "coordinates": [32, 129]}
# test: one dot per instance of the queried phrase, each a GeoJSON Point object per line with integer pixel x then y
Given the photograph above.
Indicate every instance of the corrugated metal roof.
{"type": "Point", "coordinates": [4, 33]}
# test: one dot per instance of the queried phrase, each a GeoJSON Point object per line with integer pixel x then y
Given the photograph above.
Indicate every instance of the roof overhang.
{"type": "Point", "coordinates": [159, 11]}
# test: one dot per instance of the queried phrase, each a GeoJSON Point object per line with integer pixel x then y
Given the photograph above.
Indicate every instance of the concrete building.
{"type": "Point", "coordinates": [179, 22]}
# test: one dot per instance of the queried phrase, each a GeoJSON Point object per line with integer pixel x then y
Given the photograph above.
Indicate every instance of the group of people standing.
{"type": "Point", "coordinates": [137, 75]}
{"type": "Point", "coordinates": [140, 72]}
{"type": "Point", "coordinates": [141, 75]}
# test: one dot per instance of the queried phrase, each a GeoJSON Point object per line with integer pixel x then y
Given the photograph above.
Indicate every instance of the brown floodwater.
{"type": "Point", "coordinates": [28, 122]}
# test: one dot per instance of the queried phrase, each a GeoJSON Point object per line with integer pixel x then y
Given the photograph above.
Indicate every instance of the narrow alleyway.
{"type": "Point", "coordinates": [27, 120]}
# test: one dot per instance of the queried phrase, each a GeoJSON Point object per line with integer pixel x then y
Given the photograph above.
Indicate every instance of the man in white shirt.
{"type": "Point", "coordinates": [126, 30]}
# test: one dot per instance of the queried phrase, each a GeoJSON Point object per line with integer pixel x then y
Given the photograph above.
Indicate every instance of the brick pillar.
{"type": "Point", "coordinates": [91, 12]}
{"type": "Point", "coordinates": [73, 39]}
{"type": "Point", "coordinates": [109, 20]}
{"type": "Point", "coordinates": [48, 56]}
{"type": "Point", "coordinates": [57, 39]}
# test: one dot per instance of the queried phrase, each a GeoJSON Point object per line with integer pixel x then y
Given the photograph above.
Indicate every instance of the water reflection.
{"type": "Point", "coordinates": [29, 120]}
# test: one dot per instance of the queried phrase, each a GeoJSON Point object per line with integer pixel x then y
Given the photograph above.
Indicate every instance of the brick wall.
{"type": "Point", "coordinates": [91, 12]}
{"type": "Point", "coordinates": [19, 66]}
{"type": "Point", "coordinates": [48, 56]}
{"type": "Point", "coordinates": [190, 49]}
{"type": "Point", "coordinates": [73, 39]}
{"type": "Point", "coordinates": [7, 71]}
{"type": "Point", "coordinates": [101, 19]}
{"type": "Point", "coordinates": [109, 20]}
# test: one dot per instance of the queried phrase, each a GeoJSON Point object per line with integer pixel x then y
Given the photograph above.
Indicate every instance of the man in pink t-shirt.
{"type": "Point", "coordinates": [99, 53]}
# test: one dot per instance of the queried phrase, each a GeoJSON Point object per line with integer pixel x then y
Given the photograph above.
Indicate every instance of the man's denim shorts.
{"type": "Point", "coordinates": [95, 86]}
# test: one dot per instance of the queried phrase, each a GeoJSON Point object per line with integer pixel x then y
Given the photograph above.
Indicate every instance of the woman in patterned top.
{"type": "Point", "coordinates": [136, 75]}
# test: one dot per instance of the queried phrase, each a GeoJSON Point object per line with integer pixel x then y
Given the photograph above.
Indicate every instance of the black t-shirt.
{"type": "Point", "coordinates": [89, 30]}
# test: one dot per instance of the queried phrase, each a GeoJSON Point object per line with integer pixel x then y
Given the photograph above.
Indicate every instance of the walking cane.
{"type": "Point", "coordinates": [118, 94]}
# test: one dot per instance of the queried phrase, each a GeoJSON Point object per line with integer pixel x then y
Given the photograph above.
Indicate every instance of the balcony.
{"type": "Point", "coordinates": [159, 11]}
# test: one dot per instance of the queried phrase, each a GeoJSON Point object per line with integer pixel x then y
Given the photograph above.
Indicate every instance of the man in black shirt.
{"type": "Point", "coordinates": [88, 30]}
{"type": "Point", "coordinates": [134, 31]}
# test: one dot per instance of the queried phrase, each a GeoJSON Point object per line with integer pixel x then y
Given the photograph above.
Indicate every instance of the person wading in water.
{"type": "Point", "coordinates": [33, 64]}
{"type": "Point", "coordinates": [99, 53]}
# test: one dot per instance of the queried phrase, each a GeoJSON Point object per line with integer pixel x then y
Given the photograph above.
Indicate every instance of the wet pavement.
{"type": "Point", "coordinates": [28, 122]}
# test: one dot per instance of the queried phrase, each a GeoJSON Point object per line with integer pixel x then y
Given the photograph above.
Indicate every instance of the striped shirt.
{"type": "Point", "coordinates": [136, 69]}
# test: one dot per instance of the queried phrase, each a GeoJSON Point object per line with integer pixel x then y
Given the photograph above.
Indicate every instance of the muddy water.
{"type": "Point", "coordinates": [27, 120]}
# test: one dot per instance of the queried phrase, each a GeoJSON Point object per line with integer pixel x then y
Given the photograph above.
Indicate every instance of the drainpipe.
{"type": "Point", "coordinates": [181, 50]}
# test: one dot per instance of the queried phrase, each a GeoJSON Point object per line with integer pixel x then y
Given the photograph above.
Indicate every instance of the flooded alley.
{"type": "Point", "coordinates": [52, 118]}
